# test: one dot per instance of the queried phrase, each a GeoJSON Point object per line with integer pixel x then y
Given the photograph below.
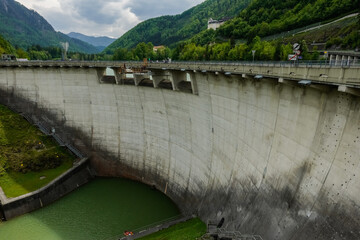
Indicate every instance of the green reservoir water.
{"type": "Point", "coordinates": [103, 208]}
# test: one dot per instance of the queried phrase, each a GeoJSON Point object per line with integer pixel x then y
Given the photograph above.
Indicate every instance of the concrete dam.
{"type": "Point", "coordinates": [272, 149]}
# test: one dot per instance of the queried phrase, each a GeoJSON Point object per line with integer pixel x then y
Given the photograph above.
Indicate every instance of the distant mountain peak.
{"type": "Point", "coordinates": [101, 41]}
{"type": "Point", "coordinates": [23, 28]}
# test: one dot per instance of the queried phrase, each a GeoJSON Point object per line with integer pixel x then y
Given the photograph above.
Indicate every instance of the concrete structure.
{"type": "Point", "coordinates": [75, 177]}
{"type": "Point", "coordinates": [215, 24]}
{"type": "Point", "coordinates": [339, 58]}
{"type": "Point", "coordinates": [273, 154]}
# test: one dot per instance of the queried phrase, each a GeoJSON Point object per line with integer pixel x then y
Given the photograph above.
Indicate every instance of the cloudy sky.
{"type": "Point", "coordinates": [104, 17]}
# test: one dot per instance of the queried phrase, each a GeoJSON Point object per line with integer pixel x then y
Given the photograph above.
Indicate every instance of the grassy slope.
{"type": "Point", "coordinates": [339, 29]}
{"type": "Point", "coordinates": [189, 230]}
{"type": "Point", "coordinates": [19, 151]}
{"type": "Point", "coordinates": [15, 184]}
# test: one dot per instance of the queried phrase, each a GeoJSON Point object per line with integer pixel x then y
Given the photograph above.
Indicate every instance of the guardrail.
{"type": "Point", "coordinates": [131, 64]}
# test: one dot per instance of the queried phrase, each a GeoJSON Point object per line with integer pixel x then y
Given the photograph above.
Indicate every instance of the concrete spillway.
{"type": "Point", "coordinates": [276, 160]}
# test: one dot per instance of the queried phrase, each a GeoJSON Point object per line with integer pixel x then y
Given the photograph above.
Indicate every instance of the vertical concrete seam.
{"type": "Point", "coordinates": [118, 119]}
{"type": "Point", "coordinates": [168, 128]}
{"type": "Point", "coordinates": [210, 182]}
{"type": "Point", "coordinates": [237, 134]}
{"type": "Point", "coordinates": [144, 130]}
{"type": "Point", "coordinates": [273, 139]}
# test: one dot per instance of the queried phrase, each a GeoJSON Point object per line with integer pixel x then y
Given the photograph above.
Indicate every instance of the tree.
{"type": "Point", "coordinates": [20, 53]}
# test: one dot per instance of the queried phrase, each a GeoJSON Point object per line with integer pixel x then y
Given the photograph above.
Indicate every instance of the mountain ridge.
{"type": "Point", "coordinates": [100, 42]}
{"type": "Point", "coordinates": [23, 28]}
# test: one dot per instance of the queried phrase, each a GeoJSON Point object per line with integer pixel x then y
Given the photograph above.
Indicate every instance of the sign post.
{"type": "Point", "coordinates": [326, 57]}
{"type": "Point", "coordinates": [297, 52]}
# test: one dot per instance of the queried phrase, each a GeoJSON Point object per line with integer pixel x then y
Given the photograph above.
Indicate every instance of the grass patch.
{"type": "Point", "coordinates": [189, 230]}
{"type": "Point", "coordinates": [26, 155]}
{"type": "Point", "coordinates": [15, 184]}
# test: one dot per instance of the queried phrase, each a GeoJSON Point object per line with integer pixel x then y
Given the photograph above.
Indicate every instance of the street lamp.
{"type": "Point", "coordinates": [253, 53]}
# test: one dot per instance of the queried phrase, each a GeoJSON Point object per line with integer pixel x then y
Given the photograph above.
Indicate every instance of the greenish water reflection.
{"type": "Point", "coordinates": [98, 210]}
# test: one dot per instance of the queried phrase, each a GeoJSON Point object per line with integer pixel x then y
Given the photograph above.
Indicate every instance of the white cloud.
{"type": "Point", "coordinates": [103, 17]}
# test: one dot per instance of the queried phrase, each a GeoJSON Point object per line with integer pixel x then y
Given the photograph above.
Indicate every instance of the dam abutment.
{"type": "Point", "coordinates": [274, 158]}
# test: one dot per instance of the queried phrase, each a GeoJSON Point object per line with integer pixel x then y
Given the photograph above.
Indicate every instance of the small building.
{"type": "Point", "coordinates": [156, 48]}
{"type": "Point", "coordinates": [8, 57]}
{"type": "Point", "coordinates": [214, 24]}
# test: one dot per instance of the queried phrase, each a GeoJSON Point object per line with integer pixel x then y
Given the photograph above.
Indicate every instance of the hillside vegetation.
{"type": "Point", "coordinates": [267, 17]}
{"type": "Point", "coordinates": [169, 30]}
{"type": "Point", "coordinates": [28, 158]}
{"type": "Point", "coordinates": [23, 28]}
{"type": "Point", "coordinates": [5, 46]}
{"type": "Point", "coordinates": [272, 19]}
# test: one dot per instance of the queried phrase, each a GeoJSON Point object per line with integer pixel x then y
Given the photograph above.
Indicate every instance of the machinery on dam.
{"type": "Point", "coordinates": [272, 148]}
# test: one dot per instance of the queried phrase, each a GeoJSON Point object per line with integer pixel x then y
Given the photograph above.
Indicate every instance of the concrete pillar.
{"type": "Point", "coordinates": [193, 80]}
{"type": "Point", "coordinates": [331, 59]}
{"type": "Point", "coordinates": [138, 77]}
{"type": "Point", "coordinates": [176, 77]}
{"type": "Point", "coordinates": [100, 73]}
{"type": "Point", "coordinates": [158, 76]}
{"type": "Point", "coordinates": [120, 75]}
{"type": "Point", "coordinates": [343, 60]}
{"type": "Point", "coordinates": [349, 60]}
{"type": "Point", "coordinates": [337, 60]}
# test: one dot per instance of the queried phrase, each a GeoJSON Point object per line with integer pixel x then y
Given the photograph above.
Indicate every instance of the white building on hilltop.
{"type": "Point", "coordinates": [214, 24]}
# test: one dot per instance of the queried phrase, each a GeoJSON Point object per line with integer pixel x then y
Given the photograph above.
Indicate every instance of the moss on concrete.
{"type": "Point", "coordinates": [28, 158]}
{"type": "Point", "coordinates": [189, 230]}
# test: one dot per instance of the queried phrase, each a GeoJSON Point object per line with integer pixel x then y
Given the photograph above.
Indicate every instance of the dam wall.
{"type": "Point", "coordinates": [274, 159]}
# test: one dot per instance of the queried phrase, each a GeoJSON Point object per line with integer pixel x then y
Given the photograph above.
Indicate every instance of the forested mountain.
{"type": "Point", "coordinates": [169, 30]}
{"type": "Point", "coordinates": [99, 42]}
{"type": "Point", "coordinates": [266, 17]}
{"type": "Point", "coordinates": [23, 28]}
{"type": "Point", "coordinates": [239, 37]}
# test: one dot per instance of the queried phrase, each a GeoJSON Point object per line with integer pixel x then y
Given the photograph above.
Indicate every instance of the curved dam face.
{"type": "Point", "coordinates": [276, 160]}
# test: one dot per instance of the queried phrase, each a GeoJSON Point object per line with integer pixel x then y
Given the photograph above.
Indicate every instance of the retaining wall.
{"type": "Point", "coordinates": [64, 184]}
{"type": "Point", "coordinates": [276, 160]}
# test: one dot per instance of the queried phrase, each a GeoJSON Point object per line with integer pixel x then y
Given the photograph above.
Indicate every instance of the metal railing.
{"type": "Point", "coordinates": [306, 63]}
{"type": "Point", "coordinates": [104, 64]}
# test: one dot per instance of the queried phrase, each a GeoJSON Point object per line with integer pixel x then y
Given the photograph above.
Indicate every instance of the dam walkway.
{"type": "Point", "coordinates": [344, 75]}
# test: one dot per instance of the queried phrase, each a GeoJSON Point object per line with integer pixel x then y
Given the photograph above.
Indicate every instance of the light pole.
{"type": "Point", "coordinates": [253, 53]}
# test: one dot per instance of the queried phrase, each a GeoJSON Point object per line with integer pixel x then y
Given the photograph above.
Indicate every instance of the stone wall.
{"type": "Point", "coordinates": [277, 160]}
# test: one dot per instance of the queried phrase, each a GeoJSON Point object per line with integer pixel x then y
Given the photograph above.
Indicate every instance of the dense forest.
{"type": "Point", "coordinates": [226, 51]}
{"type": "Point", "coordinates": [169, 30]}
{"type": "Point", "coordinates": [142, 51]}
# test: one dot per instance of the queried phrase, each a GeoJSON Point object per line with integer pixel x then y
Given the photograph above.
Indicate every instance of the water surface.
{"type": "Point", "coordinates": [101, 209]}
